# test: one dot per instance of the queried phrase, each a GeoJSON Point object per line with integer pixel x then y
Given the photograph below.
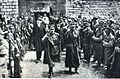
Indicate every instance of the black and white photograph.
{"type": "Point", "coordinates": [60, 39]}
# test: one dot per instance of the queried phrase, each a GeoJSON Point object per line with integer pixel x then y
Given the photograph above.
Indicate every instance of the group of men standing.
{"type": "Point", "coordinates": [13, 36]}
{"type": "Point", "coordinates": [96, 38]}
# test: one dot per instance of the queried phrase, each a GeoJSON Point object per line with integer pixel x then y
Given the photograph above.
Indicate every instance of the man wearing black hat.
{"type": "Point", "coordinates": [38, 33]}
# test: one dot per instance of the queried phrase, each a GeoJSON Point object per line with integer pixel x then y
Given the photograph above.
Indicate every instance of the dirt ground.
{"type": "Point", "coordinates": [40, 70]}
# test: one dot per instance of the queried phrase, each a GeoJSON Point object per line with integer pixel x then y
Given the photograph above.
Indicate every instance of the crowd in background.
{"type": "Point", "coordinates": [97, 39]}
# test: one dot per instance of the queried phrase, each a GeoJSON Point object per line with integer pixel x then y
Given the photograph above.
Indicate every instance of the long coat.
{"type": "Point", "coordinates": [52, 50]}
{"type": "Point", "coordinates": [38, 33]}
{"type": "Point", "coordinates": [115, 66]}
{"type": "Point", "coordinates": [97, 45]}
{"type": "Point", "coordinates": [108, 47]}
{"type": "Point", "coordinates": [71, 59]}
{"type": "Point", "coordinates": [86, 43]}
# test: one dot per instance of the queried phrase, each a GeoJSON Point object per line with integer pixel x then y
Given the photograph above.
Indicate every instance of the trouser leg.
{"type": "Point", "coordinates": [50, 71]}
{"type": "Point", "coordinates": [87, 55]}
{"type": "Point", "coordinates": [37, 55]}
{"type": "Point", "coordinates": [40, 53]}
{"type": "Point", "coordinates": [69, 69]}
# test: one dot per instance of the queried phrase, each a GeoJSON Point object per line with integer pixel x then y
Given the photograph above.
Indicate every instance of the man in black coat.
{"type": "Point", "coordinates": [38, 33]}
{"type": "Point", "coordinates": [86, 41]}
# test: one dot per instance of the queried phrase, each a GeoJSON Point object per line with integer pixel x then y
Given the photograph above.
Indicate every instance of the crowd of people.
{"type": "Point", "coordinates": [97, 39]}
{"type": "Point", "coordinates": [14, 37]}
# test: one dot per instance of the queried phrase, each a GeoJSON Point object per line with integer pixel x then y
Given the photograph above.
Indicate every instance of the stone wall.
{"type": "Point", "coordinates": [22, 7]}
{"type": "Point", "coordinates": [9, 7]}
{"type": "Point", "coordinates": [58, 6]}
{"type": "Point", "coordinates": [93, 8]}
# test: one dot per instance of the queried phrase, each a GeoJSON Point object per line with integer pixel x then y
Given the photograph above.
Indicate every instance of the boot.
{"type": "Point", "coordinates": [70, 70]}
{"type": "Point", "coordinates": [76, 71]}
{"type": "Point", "coordinates": [50, 72]}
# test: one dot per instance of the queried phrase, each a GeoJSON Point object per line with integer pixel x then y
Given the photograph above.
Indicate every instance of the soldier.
{"type": "Point", "coordinates": [97, 44]}
{"type": "Point", "coordinates": [38, 33]}
{"type": "Point", "coordinates": [72, 60]}
{"type": "Point", "coordinates": [86, 41]}
{"type": "Point", "coordinates": [52, 48]}
{"type": "Point", "coordinates": [93, 24]}
{"type": "Point", "coordinates": [59, 29]}
{"type": "Point", "coordinates": [115, 66]}
{"type": "Point", "coordinates": [108, 44]}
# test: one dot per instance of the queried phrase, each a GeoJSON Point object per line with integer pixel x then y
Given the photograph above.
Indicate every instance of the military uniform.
{"type": "Point", "coordinates": [115, 66]}
{"type": "Point", "coordinates": [97, 45]}
{"type": "Point", "coordinates": [52, 49]}
{"type": "Point", "coordinates": [108, 44]}
{"type": "Point", "coordinates": [86, 42]}
{"type": "Point", "coordinates": [72, 57]}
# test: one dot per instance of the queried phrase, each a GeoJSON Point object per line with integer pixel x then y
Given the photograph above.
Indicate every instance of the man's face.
{"type": "Point", "coordinates": [39, 22]}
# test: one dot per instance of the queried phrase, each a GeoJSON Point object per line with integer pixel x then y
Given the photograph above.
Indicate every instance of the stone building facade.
{"type": "Point", "coordinates": [9, 7]}
{"type": "Point", "coordinates": [57, 6]}
{"type": "Point", "coordinates": [91, 8]}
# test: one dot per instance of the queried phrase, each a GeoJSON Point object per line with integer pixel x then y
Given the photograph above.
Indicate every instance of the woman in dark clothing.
{"type": "Point", "coordinates": [72, 59]}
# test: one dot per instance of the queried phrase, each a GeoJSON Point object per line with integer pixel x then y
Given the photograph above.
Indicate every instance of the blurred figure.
{"type": "Point", "coordinates": [38, 33]}
{"type": "Point", "coordinates": [115, 64]}
{"type": "Point", "coordinates": [3, 56]}
{"type": "Point", "coordinates": [72, 60]}
{"type": "Point", "coordinates": [97, 45]}
{"type": "Point", "coordinates": [52, 48]}
{"type": "Point", "coordinates": [108, 44]}
{"type": "Point", "coordinates": [86, 41]}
